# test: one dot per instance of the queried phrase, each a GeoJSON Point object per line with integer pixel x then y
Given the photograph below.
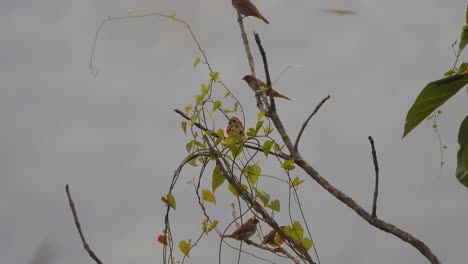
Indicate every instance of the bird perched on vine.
{"type": "Point", "coordinates": [246, 8]}
{"type": "Point", "coordinates": [257, 84]}
{"type": "Point", "coordinates": [234, 127]}
{"type": "Point", "coordinates": [244, 231]}
{"type": "Point", "coordinates": [269, 239]}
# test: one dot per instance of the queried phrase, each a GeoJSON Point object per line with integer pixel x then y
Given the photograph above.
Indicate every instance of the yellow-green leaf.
{"type": "Point", "coordinates": [264, 197]}
{"type": "Point", "coordinates": [275, 205]}
{"type": "Point", "coordinates": [463, 37]}
{"type": "Point", "coordinates": [213, 225]}
{"type": "Point", "coordinates": [296, 182]}
{"type": "Point", "coordinates": [216, 105]}
{"type": "Point", "coordinates": [260, 115]}
{"type": "Point", "coordinates": [307, 243]}
{"type": "Point", "coordinates": [288, 165]}
{"type": "Point", "coordinates": [184, 247]}
{"type": "Point", "coordinates": [195, 63]}
{"type": "Point", "coordinates": [169, 200]}
{"type": "Point", "coordinates": [267, 146]}
{"type": "Point", "coordinates": [217, 178]}
{"type": "Point", "coordinates": [298, 231]}
{"type": "Point", "coordinates": [252, 173]}
{"type": "Point", "coordinates": [184, 126]}
{"type": "Point", "coordinates": [234, 191]}
{"type": "Point", "coordinates": [214, 76]}
{"type": "Point", "coordinates": [208, 196]}
{"type": "Point", "coordinates": [173, 15]}
{"type": "Point", "coordinates": [187, 109]}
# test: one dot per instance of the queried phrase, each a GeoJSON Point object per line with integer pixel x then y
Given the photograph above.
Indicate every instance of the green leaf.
{"type": "Point", "coordinates": [288, 165]}
{"type": "Point", "coordinates": [462, 68]}
{"type": "Point", "coordinates": [193, 162]}
{"type": "Point", "coordinates": [187, 109]}
{"type": "Point", "coordinates": [213, 225]}
{"type": "Point", "coordinates": [252, 173]}
{"type": "Point", "coordinates": [307, 243]}
{"type": "Point", "coordinates": [258, 125]}
{"type": "Point", "coordinates": [463, 37]}
{"type": "Point", "coordinates": [205, 226]}
{"type": "Point", "coordinates": [296, 182]}
{"type": "Point", "coordinates": [264, 197]}
{"type": "Point", "coordinates": [298, 231]}
{"type": "Point", "coordinates": [214, 76]}
{"type": "Point", "coordinates": [184, 247]}
{"type": "Point", "coordinates": [216, 105]}
{"type": "Point", "coordinates": [189, 146]}
{"type": "Point", "coordinates": [234, 191]}
{"type": "Point", "coordinates": [173, 16]}
{"type": "Point", "coordinates": [260, 115]}
{"type": "Point", "coordinates": [275, 205]}
{"type": "Point", "coordinates": [169, 200]}
{"type": "Point", "coordinates": [267, 146]}
{"type": "Point", "coordinates": [217, 178]}
{"type": "Point", "coordinates": [195, 63]}
{"type": "Point", "coordinates": [462, 155]}
{"type": "Point", "coordinates": [184, 126]}
{"type": "Point", "coordinates": [432, 97]}
{"type": "Point", "coordinates": [208, 196]}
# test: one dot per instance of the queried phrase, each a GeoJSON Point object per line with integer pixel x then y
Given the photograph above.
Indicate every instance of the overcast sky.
{"type": "Point", "coordinates": [115, 138]}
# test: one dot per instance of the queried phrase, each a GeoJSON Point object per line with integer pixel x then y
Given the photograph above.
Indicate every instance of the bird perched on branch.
{"type": "Point", "coordinates": [234, 127]}
{"type": "Point", "coordinates": [245, 231]}
{"type": "Point", "coordinates": [270, 238]}
{"type": "Point", "coordinates": [257, 84]}
{"type": "Point", "coordinates": [246, 8]}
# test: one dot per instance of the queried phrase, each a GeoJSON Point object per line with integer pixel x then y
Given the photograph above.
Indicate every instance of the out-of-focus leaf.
{"type": "Point", "coordinates": [217, 178]}
{"type": "Point", "coordinates": [462, 155]}
{"type": "Point", "coordinates": [296, 182]}
{"type": "Point", "coordinates": [252, 173]}
{"type": "Point", "coordinates": [169, 200]}
{"type": "Point", "coordinates": [267, 146]}
{"type": "Point", "coordinates": [195, 63]}
{"type": "Point", "coordinates": [307, 243]}
{"type": "Point", "coordinates": [264, 197]}
{"type": "Point", "coordinates": [275, 205]}
{"type": "Point", "coordinates": [432, 97]}
{"type": "Point", "coordinates": [288, 165]}
{"type": "Point", "coordinates": [184, 247]}
{"type": "Point", "coordinates": [208, 196]}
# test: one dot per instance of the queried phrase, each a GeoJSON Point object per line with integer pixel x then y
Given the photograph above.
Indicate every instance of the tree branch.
{"type": "Point", "coordinates": [380, 224]}
{"type": "Point", "coordinates": [78, 227]}
{"type": "Point", "coordinates": [376, 167]}
{"type": "Point", "coordinates": [296, 145]}
{"type": "Point", "coordinates": [267, 73]}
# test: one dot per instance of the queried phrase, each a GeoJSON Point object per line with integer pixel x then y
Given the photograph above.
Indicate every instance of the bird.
{"type": "Point", "coordinates": [245, 231]}
{"type": "Point", "coordinates": [270, 238]}
{"type": "Point", "coordinates": [234, 127]}
{"type": "Point", "coordinates": [246, 8]}
{"type": "Point", "coordinates": [256, 84]}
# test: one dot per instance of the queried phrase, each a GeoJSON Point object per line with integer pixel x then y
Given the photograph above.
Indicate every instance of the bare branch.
{"type": "Point", "coordinates": [267, 73]}
{"type": "Point", "coordinates": [344, 198]}
{"type": "Point", "coordinates": [376, 167]}
{"type": "Point", "coordinates": [78, 227]}
{"type": "Point", "coordinates": [246, 43]}
{"type": "Point", "coordinates": [296, 145]}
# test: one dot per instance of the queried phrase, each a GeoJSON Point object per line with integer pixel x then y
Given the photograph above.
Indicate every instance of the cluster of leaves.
{"type": "Point", "coordinates": [435, 94]}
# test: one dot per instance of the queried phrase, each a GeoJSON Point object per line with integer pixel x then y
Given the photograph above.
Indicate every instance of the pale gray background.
{"type": "Point", "coordinates": [116, 140]}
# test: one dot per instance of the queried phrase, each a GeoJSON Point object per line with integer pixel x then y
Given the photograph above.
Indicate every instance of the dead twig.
{"type": "Point", "coordinates": [296, 145]}
{"type": "Point", "coordinates": [78, 227]}
{"type": "Point", "coordinates": [376, 167]}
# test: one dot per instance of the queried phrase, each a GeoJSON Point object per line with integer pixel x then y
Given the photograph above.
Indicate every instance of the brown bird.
{"type": "Point", "coordinates": [256, 84]}
{"type": "Point", "coordinates": [245, 231]}
{"type": "Point", "coordinates": [246, 8]}
{"type": "Point", "coordinates": [234, 127]}
{"type": "Point", "coordinates": [270, 238]}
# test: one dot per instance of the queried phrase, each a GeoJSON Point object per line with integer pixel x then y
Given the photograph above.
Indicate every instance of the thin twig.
{"type": "Point", "coordinates": [246, 43]}
{"type": "Point", "coordinates": [376, 167]}
{"type": "Point", "coordinates": [267, 73]}
{"type": "Point", "coordinates": [296, 145]}
{"type": "Point", "coordinates": [78, 227]}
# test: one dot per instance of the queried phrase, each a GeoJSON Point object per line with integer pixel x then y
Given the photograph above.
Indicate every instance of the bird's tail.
{"type": "Point", "coordinates": [277, 94]}
{"type": "Point", "coordinates": [264, 19]}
